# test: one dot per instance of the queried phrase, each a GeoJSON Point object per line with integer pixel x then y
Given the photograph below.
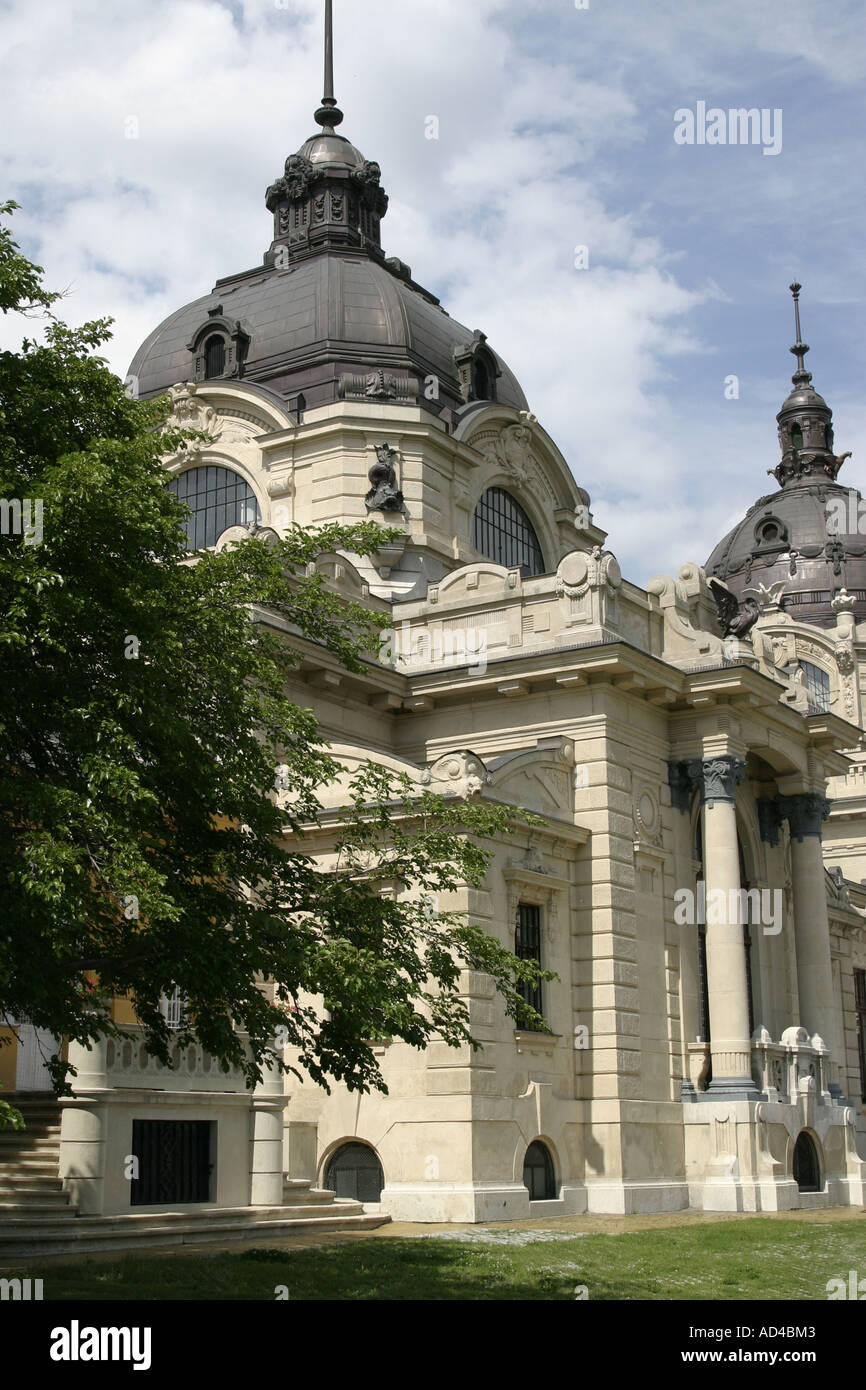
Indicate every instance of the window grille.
{"type": "Point", "coordinates": [527, 946]}
{"type": "Point", "coordinates": [817, 688]}
{"type": "Point", "coordinates": [214, 356]}
{"type": "Point", "coordinates": [173, 1008]}
{"type": "Point", "coordinates": [218, 498]}
{"type": "Point", "coordinates": [502, 532]}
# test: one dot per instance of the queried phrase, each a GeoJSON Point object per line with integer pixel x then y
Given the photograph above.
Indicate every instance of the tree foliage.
{"type": "Point", "coordinates": [142, 716]}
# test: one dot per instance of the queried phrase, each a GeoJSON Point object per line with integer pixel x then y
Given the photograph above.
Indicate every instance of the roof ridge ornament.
{"type": "Point", "coordinates": [329, 115]}
{"type": "Point", "coordinates": [801, 377]}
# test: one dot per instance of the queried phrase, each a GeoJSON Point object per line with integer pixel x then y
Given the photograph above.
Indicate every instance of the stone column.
{"type": "Point", "coordinates": [804, 814]}
{"type": "Point", "coordinates": [268, 1102]}
{"type": "Point", "coordinates": [84, 1128]}
{"type": "Point", "coordinates": [730, 1042]}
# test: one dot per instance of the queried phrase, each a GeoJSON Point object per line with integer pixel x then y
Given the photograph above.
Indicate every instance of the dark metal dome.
{"type": "Point", "coordinates": [790, 536]}
{"type": "Point", "coordinates": [807, 534]}
{"type": "Point", "coordinates": [313, 326]}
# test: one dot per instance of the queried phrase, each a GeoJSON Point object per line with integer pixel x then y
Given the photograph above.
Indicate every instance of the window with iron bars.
{"type": "Point", "coordinates": [817, 688]}
{"type": "Point", "coordinates": [173, 1008]}
{"type": "Point", "coordinates": [527, 946]}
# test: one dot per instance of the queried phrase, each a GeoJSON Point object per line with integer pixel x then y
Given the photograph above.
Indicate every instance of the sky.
{"type": "Point", "coordinates": [140, 139]}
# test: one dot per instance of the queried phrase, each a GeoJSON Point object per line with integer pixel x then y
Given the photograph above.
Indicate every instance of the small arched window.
{"type": "Point", "coordinates": [797, 436]}
{"type": "Point", "coordinates": [214, 356]}
{"type": "Point", "coordinates": [355, 1171]}
{"type": "Point", "coordinates": [502, 532]}
{"type": "Point", "coordinates": [807, 1168]}
{"type": "Point", "coordinates": [217, 498]}
{"type": "Point", "coordinates": [538, 1173]}
{"type": "Point", "coordinates": [483, 388]}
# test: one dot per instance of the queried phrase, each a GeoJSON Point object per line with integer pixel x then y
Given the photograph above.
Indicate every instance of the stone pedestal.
{"type": "Point", "coordinates": [266, 1147]}
{"type": "Point", "coordinates": [83, 1129]}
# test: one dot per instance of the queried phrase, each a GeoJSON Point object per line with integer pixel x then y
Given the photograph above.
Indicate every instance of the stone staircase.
{"type": "Point", "coordinates": [37, 1217]}
{"type": "Point", "coordinates": [30, 1188]}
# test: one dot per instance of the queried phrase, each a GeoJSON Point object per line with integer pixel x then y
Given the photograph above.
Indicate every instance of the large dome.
{"type": "Point", "coordinates": [317, 321]}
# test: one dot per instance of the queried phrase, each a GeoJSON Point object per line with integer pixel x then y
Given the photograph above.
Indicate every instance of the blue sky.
{"type": "Point", "coordinates": [555, 130]}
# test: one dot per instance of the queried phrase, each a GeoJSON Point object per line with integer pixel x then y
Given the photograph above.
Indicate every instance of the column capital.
{"type": "Point", "coordinates": [804, 813]}
{"type": "Point", "coordinates": [715, 778]}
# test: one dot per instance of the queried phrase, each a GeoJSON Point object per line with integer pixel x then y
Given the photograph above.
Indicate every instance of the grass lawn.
{"type": "Point", "coordinates": [754, 1259]}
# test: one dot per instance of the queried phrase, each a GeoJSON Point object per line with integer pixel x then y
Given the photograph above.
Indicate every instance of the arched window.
{"type": "Point", "coordinates": [538, 1173]}
{"type": "Point", "coordinates": [797, 436]}
{"type": "Point", "coordinates": [807, 1169]}
{"type": "Point", "coordinates": [817, 688]}
{"type": "Point", "coordinates": [502, 531]}
{"type": "Point", "coordinates": [355, 1171]}
{"type": "Point", "coordinates": [217, 498]}
{"type": "Point", "coordinates": [483, 388]}
{"type": "Point", "coordinates": [214, 356]}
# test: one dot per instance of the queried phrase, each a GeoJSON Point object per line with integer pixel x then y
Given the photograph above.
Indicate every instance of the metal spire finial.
{"type": "Point", "coordinates": [801, 377]}
{"type": "Point", "coordinates": [329, 114]}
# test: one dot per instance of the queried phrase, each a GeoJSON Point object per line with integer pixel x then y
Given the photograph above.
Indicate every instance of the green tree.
{"type": "Point", "coordinates": [142, 717]}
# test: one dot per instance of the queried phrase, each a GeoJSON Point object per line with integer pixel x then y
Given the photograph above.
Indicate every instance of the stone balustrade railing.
{"type": "Point", "coordinates": [128, 1063]}
{"type": "Point", "coordinates": [779, 1067]}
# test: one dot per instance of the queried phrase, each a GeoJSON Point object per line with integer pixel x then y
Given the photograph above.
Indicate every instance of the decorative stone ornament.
{"type": "Point", "coordinates": [457, 774]}
{"type": "Point", "coordinates": [769, 819]}
{"type": "Point", "coordinates": [378, 385]}
{"type": "Point", "coordinates": [384, 495]}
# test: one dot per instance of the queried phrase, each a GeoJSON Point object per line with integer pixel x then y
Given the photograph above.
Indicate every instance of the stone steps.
{"type": "Point", "coordinates": [44, 1236]}
{"type": "Point", "coordinates": [298, 1190]}
{"type": "Point", "coordinates": [44, 1165]}
{"type": "Point", "coordinates": [33, 1203]}
{"type": "Point", "coordinates": [30, 1187]}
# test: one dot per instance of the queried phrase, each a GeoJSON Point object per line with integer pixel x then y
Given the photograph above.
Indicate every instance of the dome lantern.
{"type": "Point", "coordinates": [329, 195]}
{"type": "Point", "coordinates": [805, 423]}
{"type": "Point", "coordinates": [792, 538]}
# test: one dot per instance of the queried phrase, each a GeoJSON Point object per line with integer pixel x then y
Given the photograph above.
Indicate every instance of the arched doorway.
{"type": "Point", "coordinates": [538, 1173]}
{"type": "Point", "coordinates": [807, 1166]}
{"type": "Point", "coordinates": [354, 1171]}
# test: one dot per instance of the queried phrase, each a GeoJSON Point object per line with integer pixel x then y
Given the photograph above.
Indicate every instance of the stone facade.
{"type": "Point", "coordinates": [658, 758]}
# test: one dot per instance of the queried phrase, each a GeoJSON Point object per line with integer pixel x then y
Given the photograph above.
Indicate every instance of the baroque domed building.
{"type": "Point", "coordinates": [707, 1019]}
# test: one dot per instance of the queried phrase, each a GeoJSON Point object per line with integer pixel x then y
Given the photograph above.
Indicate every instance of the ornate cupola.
{"type": "Point", "coordinates": [328, 317]}
{"type": "Point", "coordinates": [805, 423]}
{"type": "Point", "coordinates": [806, 538]}
{"type": "Point", "coordinates": [329, 195]}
